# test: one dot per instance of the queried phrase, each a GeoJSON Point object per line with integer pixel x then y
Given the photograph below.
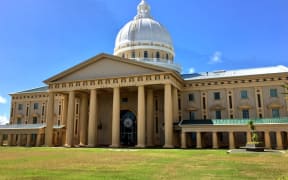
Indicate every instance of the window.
{"type": "Point", "coordinates": [59, 110]}
{"type": "Point", "coordinates": [167, 56]}
{"type": "Point", "coordinates": [157, 55]}
{"type": "Point", "coordinates": [259, 100]}
{"type": "Point", "coordinates": [273, 93]}
{"type": "Point", "coordinates": [124, 100]}
{"type": "Point", "coordinates": [218, 114]}
{"type": "Point", "coordinates": [191, 97]}
{"type": "Point", "coordinates": [216, 95]}
{"type": "Point", "coordinates": [19, 120]}
{"type": "Point", "coordinates": [245, 114]}
{"type": "Point", "coordinates": [34, 120]}
{"type": "Point", "coordinates": [133, 54]}
{"type": "Point", "coordinates": [244, 94]}
{"type": "Point", "coordinates": [43, 109]}
{"type": "Point", "coordinates": [230, 102]}
{"type": "Point", "coordinates": [191, 115]}
{"type": "Point", "coordinates": [204, 103]}
{"type": "Point", "coordinates": [275, 113]}
{"type": "Point", "coordinates": [20, 107]}
{"type": "Point", "coordinates": [145, 54]}
{"type": "Point", "coordinates": [36, 105]}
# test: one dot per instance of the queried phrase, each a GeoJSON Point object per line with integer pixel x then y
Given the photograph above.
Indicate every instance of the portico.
{"type": "Point", "coordinates": [130, 92]}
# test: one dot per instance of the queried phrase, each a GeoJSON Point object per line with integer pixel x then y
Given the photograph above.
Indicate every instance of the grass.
{"type": "Point", "coordinates": [72, 163]}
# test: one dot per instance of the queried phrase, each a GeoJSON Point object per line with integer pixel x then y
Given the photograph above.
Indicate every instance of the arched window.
{"type": "Point", "coordinates": [145, 54]}
{"type": "Point", "coordinates": [167, 56]}
{"type": "Point", "coordinates": [157, 55]}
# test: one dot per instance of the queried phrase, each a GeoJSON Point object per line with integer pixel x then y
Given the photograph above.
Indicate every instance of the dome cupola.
{"type": "Point", "coordinates": [144, 39]}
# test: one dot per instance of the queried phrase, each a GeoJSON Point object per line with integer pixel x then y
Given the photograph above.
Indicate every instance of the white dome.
{"type": "Point", "coordinates": [141, 30]}
{"type": "Point", "coordinates": [144, 39]}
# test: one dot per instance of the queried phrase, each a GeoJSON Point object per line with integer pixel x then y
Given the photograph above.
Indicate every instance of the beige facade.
{"type": "Point", "coordinates": [138, 98]}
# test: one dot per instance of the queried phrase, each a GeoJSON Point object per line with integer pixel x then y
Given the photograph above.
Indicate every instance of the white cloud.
{"type": "Point", "coordinates": [216, 58]}
{"type": "Point", "coordinates": [2, 100]}
{"type": "Point", "coordinates": [3, 119]}
{"type": "Point", "coordinates": [191, 70]}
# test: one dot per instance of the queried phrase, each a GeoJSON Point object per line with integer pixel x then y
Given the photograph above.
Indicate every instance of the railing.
{"type": "Point", "coordinates": [23, 126]}
{"type": "Point", "coordinates": [283, 120]}
{"type": "Point", "coordinates": [245, 121]}
{"type": "Point", "coordinates": [28, 126]}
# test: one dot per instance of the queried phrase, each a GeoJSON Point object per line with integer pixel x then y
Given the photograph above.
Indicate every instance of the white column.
{"type": "Point", "coordinates": [231, 140]}
{"type": "Point", "coordinates": [116, 118]}
{"type": "Point", "coordinates": [93, 120]}
{"type": "Point", "coordinates": [83, 119]}
{"type": "Point", "coordinates": [267, 140]}
{"type": "Point", "coordinates": [70, 120]}
{"type": "Point", "coordinates": [49, 121]}
{"type": "Point", "coordinates": [168, 113]}
{"type": "Point", "coordinates": [38, 140]}
{"type": "Point", "coordinates": [183, 140]}
{"type": "Point", "coordinates": [19, 140]}
{"type": "Point", "coordinates": [198, 140]}
{"type": "Point", "coordinates": [279, 140]}
{"type": "Point", "coordinates": [28, 140]}
{"type": "Point", "coordinates": [141, 118]}
{"type": "Point", "coordinates": [10, 139]}
{"type": "Point", "coordinates": [149, 118]}
{"type": "Point", "coordinates": [215, 140]}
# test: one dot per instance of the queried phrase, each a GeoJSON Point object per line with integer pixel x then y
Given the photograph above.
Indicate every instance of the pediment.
{"type": "Point", "coordinates": [105, 66]}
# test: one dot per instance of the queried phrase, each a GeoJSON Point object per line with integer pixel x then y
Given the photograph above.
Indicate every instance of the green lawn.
{"type": "Point", "coordinates": [78, 163]}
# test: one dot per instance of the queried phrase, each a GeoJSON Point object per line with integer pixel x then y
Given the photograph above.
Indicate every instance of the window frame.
{"type": "Point", "coordinates": [217, 95]}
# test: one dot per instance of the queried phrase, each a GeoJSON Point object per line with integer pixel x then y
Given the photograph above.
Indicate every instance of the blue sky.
{"type": "Point", "coordinates": [40, 38]}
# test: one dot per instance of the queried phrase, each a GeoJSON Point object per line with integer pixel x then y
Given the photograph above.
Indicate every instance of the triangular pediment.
{"type": "Point", "coordinates": [105, 66]}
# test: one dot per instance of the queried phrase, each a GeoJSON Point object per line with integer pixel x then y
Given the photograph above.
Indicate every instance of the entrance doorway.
{"type": "Point", "coordinates": [128, 128]}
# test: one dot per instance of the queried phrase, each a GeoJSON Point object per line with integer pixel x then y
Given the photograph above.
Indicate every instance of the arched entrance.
{"type": "Point", "coordinates": [128, 128]}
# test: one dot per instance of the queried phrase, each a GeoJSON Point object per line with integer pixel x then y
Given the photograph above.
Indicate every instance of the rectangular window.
{"type": "Point", "coordinates": [275, 113]}
{"type": "Point", "coordinates": [244, 94]}
{"type": "Point", "coordinates": [145, 54]}
{"type": "Point", "coordinates": [245, 114]}
{"type": "Point", "coordinates": [20, 107]}
{"type": "Point", "coordinates": [191, 115]}
{"type": "Point", "coordinates": [27, 111]}
{"type": "Point", "coordinates": [77, 110]}
{"type": "Point", "coordinates": [36, 105]}
{"type": "Point", "coordinates": [43, 110]}
{"type": "Point", "coordinates": [259, 100]}
{"type": "Point", "coordinates": [179, 104]}
{"type": "Point", "coordinates": [204, 102]}
{"type": "Point", "coordinates": [124, 100]}
{"type": "Point", "coordinates": [34, 120]}
{"type": "Point", "coordinates": [218, 114]}
{"type": "Point", "coordinates": [273, 93]}
{"type": "Point", "coordinates": [19, 120]}
{"type": "Point", "coordinates": [156, 105]}
{"type": "Point", "coordinates": [230, 102]}
{"type": "Point", "coordinates": [217, 96]}
{"type": "Point", "coordinates": [156, 125]}
{"type": "Point", "coordinates": [59, 110]}
{"type": "Point", "coordinates": [133, 54]}
{"type": "Point", "coordinates": [191, 97]}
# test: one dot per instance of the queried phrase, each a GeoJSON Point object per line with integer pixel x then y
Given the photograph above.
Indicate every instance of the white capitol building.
{"type": "Point", "coordinates": [137, 97]}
